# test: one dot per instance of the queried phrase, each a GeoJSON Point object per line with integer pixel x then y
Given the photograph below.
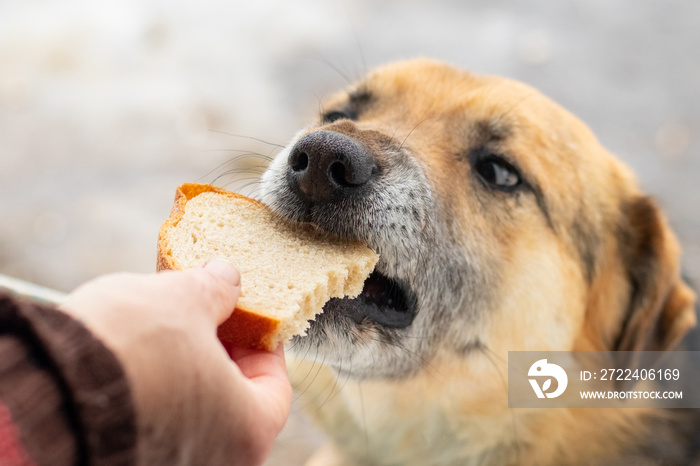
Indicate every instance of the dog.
{"type": "Point", "coordinates": [501, 224]}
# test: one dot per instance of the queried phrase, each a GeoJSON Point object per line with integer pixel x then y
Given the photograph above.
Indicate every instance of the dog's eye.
{"type": "Point", "coordinates": [498, 173]}
{"type": "Point", "coordinates": [330, 117]}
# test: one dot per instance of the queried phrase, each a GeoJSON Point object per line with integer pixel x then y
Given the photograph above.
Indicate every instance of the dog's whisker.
{"type": "Point", "coordinates": [318, 371]}
{"type": "Point", "coordinates": [515, 106]}
{"type": "Point", "coordinates": [225, 133]}
{"type": "Point", "coordinates": [255, 183]}
{"type": "Point", "coordinates": [332, 384]}
{"type": "Point", "coordinates": [241, 171]}
{"type": "Point", "coordinates": [268, 157]}
{"type": "Point", "coordinates": [423, 362]}
{"type": "Point", "coordinates": [321, 108]}
{"type": "Point", "coordinates": [309, 372]}
{"type": "Point", "coordinates": [241, 161]}
{"type": "Point", "coordinates": [304, 357]}
{"type": "Point", "coordinates": [256, 169]}
{"type": "Point", "coordinates": [333, 392]}
{"type": "Point", "coordinates": [239, 179]}
{"type": "Point", "coordinates": [335, 389]}
{"type": "Point", "coordinates": [348, 375]}
{"type": "Point", "coordinates": [360, 50]}
{"type": "Point", "coordinates": [364, 420]}
{"type": "Point", "coordinates": [334, 67]}
{"type": "Point", "coordinates": [233, 161]}
{"type": "Point", "coordinates": [218, 167]}
{"type": "Point", "coordinates": [236, 184]}
{"type": "Point", "coordinates": [415, 337]}
{"type": "Point", "coordinates": [256, 193]}
{"type": "Point", "coordinates": [259, 168]}
{"type": "Point", "coordinates": [490, 355]}
{"type": "Point", "coordinates": [412, 130]}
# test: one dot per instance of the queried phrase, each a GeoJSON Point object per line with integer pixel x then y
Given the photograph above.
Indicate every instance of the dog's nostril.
{"type": "Point", "coordinates": [337, 172]}
{"type": "Point", "coordinates": [299, 162]}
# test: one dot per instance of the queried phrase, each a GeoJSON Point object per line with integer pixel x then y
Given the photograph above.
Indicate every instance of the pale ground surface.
{"type": "Point", "coordinates": [105, 107]}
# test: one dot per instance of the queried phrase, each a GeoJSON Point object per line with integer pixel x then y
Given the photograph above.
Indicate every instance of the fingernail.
{"type": "Point", "coordinates": [225, 270]}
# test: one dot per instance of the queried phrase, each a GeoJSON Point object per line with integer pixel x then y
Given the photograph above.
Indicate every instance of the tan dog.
{"type": "Point", "coordinates": [501, 224]}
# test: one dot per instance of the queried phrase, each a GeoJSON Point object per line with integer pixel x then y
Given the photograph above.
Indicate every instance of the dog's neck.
{"type": "Point", "coordinates": [431, 419]}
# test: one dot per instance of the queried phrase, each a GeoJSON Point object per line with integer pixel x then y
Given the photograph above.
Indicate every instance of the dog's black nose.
{"type": "Point", "coordinates": [326, 166]}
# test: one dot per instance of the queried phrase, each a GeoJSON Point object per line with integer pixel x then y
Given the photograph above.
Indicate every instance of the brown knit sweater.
{"type": "Point", "coordinates": [64, 397]}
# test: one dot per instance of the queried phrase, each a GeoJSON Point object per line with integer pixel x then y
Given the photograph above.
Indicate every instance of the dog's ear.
{"type": "Point", "coordinates": [661, 307]}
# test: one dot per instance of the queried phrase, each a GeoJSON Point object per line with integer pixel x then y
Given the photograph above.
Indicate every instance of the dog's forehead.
{"type": "Point", "coordinates": [429, 89]}
{"type": "Point", "coordinates": [473, 108]}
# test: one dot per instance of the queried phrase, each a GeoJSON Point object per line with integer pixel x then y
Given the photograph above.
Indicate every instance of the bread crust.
{"type": "Point", "coordinates": [245, 327]}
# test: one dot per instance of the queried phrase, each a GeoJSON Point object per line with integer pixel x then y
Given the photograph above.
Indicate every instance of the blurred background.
{"type": "Point", "coordinates": [107, 106]}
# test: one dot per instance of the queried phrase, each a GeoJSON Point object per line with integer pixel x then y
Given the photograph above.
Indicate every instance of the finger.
{"type": "Point", "coordinates": [255, 363]}
{"type": "Point", "coordinates": [264, 368]}
{"type": "Point", "coordinates": [266, 371]}
{"type": "Point", "coordinates": [227, 287]}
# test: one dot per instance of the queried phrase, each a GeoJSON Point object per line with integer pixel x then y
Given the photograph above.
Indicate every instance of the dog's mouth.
{"type": "Point", "coordinates": [383, 301]}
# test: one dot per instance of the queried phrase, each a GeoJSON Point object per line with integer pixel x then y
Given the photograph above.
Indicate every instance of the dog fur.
{"type": "Point", "coordinates": [574, 257]}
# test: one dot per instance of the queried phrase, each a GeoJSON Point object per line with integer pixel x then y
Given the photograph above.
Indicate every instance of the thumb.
{"type": "Point", "coordinates": [225, 287]}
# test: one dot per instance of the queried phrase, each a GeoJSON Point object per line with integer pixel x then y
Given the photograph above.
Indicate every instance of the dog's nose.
{"type": "Point", "coordinates": [326, 166]}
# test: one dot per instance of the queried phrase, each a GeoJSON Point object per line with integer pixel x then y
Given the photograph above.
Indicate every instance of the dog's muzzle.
{"type": "Point", "coordinates": [326, 171]}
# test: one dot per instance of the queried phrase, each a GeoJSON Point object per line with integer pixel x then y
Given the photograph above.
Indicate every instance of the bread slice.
{"type": "Point", "coordinates": [288, 271]}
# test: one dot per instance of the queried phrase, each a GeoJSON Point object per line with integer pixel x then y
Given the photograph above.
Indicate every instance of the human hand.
{"type": "Point", "coordinates": [193, 405]}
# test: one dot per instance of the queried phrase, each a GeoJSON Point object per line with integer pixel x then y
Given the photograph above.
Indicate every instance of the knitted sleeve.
{"type": "Point", "coordinates": [64, 397]}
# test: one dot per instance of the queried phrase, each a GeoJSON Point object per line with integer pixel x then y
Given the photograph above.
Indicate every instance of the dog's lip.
{"type": "Point", "coordinates": [383, 301]}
